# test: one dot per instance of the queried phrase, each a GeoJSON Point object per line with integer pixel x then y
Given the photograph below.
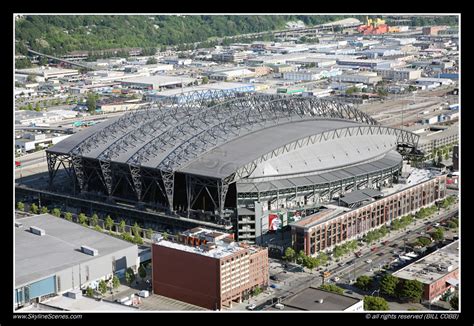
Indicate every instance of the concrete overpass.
{"type": "Point", "coordinates": [63, 60]}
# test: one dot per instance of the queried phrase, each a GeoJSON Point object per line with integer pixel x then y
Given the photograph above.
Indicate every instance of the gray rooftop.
{"type": "Point", "coordinates": [37, 257]}
{"type": "Point", "coordinates": [432, 267]}
{"type": "Point", "coordinates": [308, 300]}
{"type": "Point", "coordinates": [242, 150]}
{"type": "Point", "coordinates": [358, 196]}
{"type": "Point", "coordinates": [158, 80]}
{"type": "Point", "coordinates": [389, 160]}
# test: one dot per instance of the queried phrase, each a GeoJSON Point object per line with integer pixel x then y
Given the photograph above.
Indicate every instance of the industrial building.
{"type": "Point", "coordinates": [235, 159]}
{"type": "Point", "coordinates": [308, 75]}
{"type": "Point", "coordinates": [119, 104]}
{"type": "Point", "coordinates": [189, 94]}
{"type": "Point", "coordinates": [433, 137]}
{"type": "Point", "coordinates": [230, 74]}
{"type": "Point", "coordinates": [438, 271]}
{"type": "Point", "coordinates": [366, 77]}
{"type": "Point", "coordinates": [32, 141]}
{"type": "Point", "coordinates": [54, 256]}
{"type": "Point", "coordinates": [47, 73]}
{"type": "Point", "coordinates": [314, 299]}
{"type": "Point", "coordinates": [157, 82]}
{"type": "Point", "coordinates": [208, 268]}
{"type": "Point", "coordinates": [399, 74]}
{"type": "Point", "coordinates": [335, 225]}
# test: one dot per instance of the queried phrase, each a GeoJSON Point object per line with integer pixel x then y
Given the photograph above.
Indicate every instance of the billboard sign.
{"type": "Point", "coordinates": [274, 222]}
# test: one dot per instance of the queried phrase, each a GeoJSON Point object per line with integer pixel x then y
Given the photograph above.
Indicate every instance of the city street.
{"type": "Point", "coordinates": [291, 281]}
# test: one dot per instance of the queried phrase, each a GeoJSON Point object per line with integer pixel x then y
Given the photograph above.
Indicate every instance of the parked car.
{"type": "Point", "coordinates": [368, 261]}
{"type": "Point", "coordinates": [252, 306]}
{"type": "Point", "coordinates": [336, 279]}
{"type": "Point", "coordinates": [273, 278]}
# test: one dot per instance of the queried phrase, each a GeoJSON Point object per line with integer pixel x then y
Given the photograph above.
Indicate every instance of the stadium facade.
{"type": "Point", "coordinates": [231, 158]}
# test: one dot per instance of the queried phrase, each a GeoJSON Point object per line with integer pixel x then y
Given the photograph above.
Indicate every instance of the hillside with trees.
{"type": "Point", "coordinates": [60, 34]}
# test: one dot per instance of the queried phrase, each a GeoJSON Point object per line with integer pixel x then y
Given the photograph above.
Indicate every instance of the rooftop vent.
{"type": "Point", "coordinates": [89, 251]}
{"type": "Point", "coordinates": [37, 230]}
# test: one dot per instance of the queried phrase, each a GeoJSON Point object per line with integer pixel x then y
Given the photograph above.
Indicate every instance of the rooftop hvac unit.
{"type": "Point", "coordinates": [18, 224]}
{"type": "Point", "coordinates": [89, 251]}
{"type": "Point", "coordinates": [37, 230]}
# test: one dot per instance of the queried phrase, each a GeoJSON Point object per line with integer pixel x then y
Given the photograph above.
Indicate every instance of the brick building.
{"type": "Point", "coordinates": [439, 272]}
{"type": "Point", "coordinates": [208, 268]}
{"type": "Point", "coordinates": [330, 227]}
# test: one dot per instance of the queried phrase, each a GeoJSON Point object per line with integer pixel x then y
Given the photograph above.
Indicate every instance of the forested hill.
{"type": "Point", "coordinates": [60, 34]}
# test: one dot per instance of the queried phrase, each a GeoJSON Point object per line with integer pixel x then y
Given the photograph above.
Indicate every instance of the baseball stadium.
{"type": "Point", "coordinates": [233, 159]}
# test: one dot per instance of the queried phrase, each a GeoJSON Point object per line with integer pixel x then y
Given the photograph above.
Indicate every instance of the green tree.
{"type": "Point", "coordinates": [37, 107]}
{"type": "Point", "coordinates": [31, 78]}
{"type": "Point", "coordinates": [115, 282]}
{"type": "Point", "coordinates": [136, 229]}
{"type": "Point", "coordinates": [454, 302]}
{"type": "Point", "coordinates": [388, 284]}
{"type": "Point", "coordinates": [256, 291]}
{"type": "Point", "coordinates": [438, 234]}
{"type": "Point", "coordinates": [91, 102]}
{"type": "Point", "coordinates": [20, 206]}
{"type": "Point", "coordinates": [332, 288]}
{"type": "Point", "coordinates": [102, 287]}
{"type": "Point", "coordinates": [44, 210]}
{"type": "Point", "coordinates": [411, 290]}
{"type": "Point", "coordinates": [165, 236]}
{"type": "Point", "coordinates": [109, 223]}
{"type": "Point", "coordinates": [375, 303]}
{"type": "Point", "coordinates": [149, 233]}
{"type": "Point", "coordinates": [94, 220]}
{"type": "Point", "coordinates": [151, 61]}
{"type": "Point", "coordinates": [127, 237]}
{"type": "Point", "coordinates": [205, 80]}
{"type": "Point", "coordinates": [142, 272]}
{"type": "Point", "coordinates": [83, 219]}
{"type": "Point", "coordinates": [56, 212]}
{"type": "Point", "coordinates": [98, 228]}
{"type": "Point", "coordinates": [122, 226]}
{"type": "Point", "coordinates": [323, 257]}
{"type": "Point", "coordinates": [382, 92]}
{"type": "Point", "coordinates": [89, 292]}
{"type": "Point", "coordinates": [311, 263]}
{"type": "Point", "coordinates": [300, 258]}
{"type": "Point", "coordinates": [68, 216]}
{"type": "Point", "coordinates": [423, 241]}
{"type": "Point", "coordinates": [452, 225]}
{"type": "Point", "coordinates": [364, 282]}
{"type": "Point", "coordinates": [137, 239]}
{"type": "Point", "coordinates": [129, 276]}
{"type": "Point", "coordinates": [289, 254]}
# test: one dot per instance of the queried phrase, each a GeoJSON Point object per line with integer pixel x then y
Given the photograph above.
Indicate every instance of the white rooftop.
{"type": "Point", "coordinates": [432, 267]}
{"type": "Point", "coordinates": [222, 249]}
{"type": "Point", "coordinates": [87, 304]}
{"type": "Point", "coordinates": [159, 80]}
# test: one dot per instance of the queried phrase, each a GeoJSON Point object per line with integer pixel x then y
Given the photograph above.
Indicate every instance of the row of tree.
{"type": "Point", "coordinates": [306, 261]}
{"type": "Point", "coordinates": [93, 221]}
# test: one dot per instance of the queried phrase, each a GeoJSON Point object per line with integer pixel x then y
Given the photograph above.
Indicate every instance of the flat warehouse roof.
{"type": "Point", "coordinates": [221, 86]}
{"type": "Point", "coordinates": [158, 80]}
{"type": "Point", "coordinates": [37, 257]}
{"type": "Point", "coordinates": [308, 300]}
